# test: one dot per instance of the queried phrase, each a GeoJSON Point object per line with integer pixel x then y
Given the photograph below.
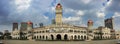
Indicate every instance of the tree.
{"type": "Point", "coordinates": [1, 35]}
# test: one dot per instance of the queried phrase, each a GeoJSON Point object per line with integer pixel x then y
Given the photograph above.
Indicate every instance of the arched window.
{"type": "Point", "coordinates": [40, 37]}
{"type": "Point", "coordinates": [58, 37]}
{"type": "Point", "coordinates": [43, 31]}
{"type": "Point", "coordinates": [75, 37]}
{"type": "Point", "coordinates": [46, 37]}
{"type": "Point", "coordinates": [52, 37]}
{"type": "Point", "coordinates": [82, 37]}
{"type": "Point", "coordinates": [72, 37]}
{"type": "Point", "coordinates": [65, 37]}
{"type": "Point", "coordinates": [43, 37]}
{"type": "Point", "coordinates": [37, 37]}
{"type": "Point", "coordinates": [81, 31]}
{"type": "Point", "coordinates": [85, 37]}
{"type": "Point", "coordinates": [70, 30]}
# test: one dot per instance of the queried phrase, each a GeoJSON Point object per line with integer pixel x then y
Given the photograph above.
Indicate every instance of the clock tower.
{"type": "Point", "coordinates": [58, 18]}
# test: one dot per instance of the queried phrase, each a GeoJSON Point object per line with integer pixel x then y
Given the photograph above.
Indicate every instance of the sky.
{"type": "Point", "coordinates": [75, 12]}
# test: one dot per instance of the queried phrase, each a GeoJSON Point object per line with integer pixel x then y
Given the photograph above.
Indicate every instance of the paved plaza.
{"type": "Point", "coordinates": [59, 42]}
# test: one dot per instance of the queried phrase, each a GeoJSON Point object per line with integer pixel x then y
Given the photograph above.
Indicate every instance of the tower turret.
{"type": "Point", "coordinates": [58, 19]}
{"type": "Point", "coordinates": [90, 24]}
{"type": "Point", "coordinates": [29, 25]}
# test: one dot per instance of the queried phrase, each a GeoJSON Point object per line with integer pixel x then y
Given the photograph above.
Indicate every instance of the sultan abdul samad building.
{"type": "Point", "coordinates": [60, 31]}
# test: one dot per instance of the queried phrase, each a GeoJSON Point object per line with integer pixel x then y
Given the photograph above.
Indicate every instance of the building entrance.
{"type": "Point", "coordinates": [52, 37]}
{"type": "Point", "coordinates": [58, 37]}
{"type": "Point", "coordinates": [65, 37]}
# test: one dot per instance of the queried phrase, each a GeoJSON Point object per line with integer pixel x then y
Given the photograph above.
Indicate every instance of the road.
{"type": "Point", "coordinates": [59, 42]}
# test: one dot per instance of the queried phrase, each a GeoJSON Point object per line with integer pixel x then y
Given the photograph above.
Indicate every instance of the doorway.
{"type": "Point", "coordinates": [58, 37]}
{"type": "Point", "coordinates": [65, 37]}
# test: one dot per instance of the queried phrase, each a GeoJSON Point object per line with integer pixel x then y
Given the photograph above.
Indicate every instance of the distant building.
{"type": "Point", "coordinates": [6, 31]}
{"type": "Point", "coordinates": [15, 26]}
{"type": "Point", "coordinates": [23, 26]}
{"type": "Point", "coordinates": [53, 21]}
{"type": "Point", "coordinates": [117, 34]}
{"type": "Point", "coordinates": [109, 23]}
{"type": "Point", "coordinates": [102, 33]}
{"type": "Point", "coordinates": [41, 24]}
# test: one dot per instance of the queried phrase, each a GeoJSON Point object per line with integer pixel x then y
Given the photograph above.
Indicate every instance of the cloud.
{"type": "Point", "coordinates": [100, 14]}
{"type": "Point", "coordinates": [22, 5]}
{"type": "Point", "coordinates": [82, 5]}
{"type": "Point", "coordinates": [116, 15]}
{"type": "Point", "coordinates": [80, 13]}
{"type": "Point", "coordinates": [23, 11]}
{"type": "Point", "coordinates": [114, 6]}
{"type": "Point", "coordinates": [70, 19]}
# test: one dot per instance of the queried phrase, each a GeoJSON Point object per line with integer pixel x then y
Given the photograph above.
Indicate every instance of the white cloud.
{"type": "Point", "coordinates": [116, 15]}
{"type": "Point", "coordinates": [86, 1]}
{"type": "Point", "coordinates": [100, 14]}
{"type": "Point", "coordinates": [68, 10]}
{"type": "Point", "coordinates": [116, 20]}
{"type": "Point", "coordinates": [71, 19]}
{"type": "Point", "coordinates": [80, 13]}
{"type": "Point", "coordinates": [109, 2]}
{"type": "Point", "coordinates": [22, 5]}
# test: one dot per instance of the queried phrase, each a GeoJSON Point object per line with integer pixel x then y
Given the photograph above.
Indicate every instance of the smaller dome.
{"type": "Point", "coordinates": [58, 4]}
{"type": "Point", "coordinates": [29, 22]}
{"type": "Point", "coordinates": [90, 21]}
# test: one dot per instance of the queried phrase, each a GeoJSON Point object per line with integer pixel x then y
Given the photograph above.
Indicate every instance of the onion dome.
{"type": "Point", "coordinates": [58, 5]}
{"type": "Point", "coordinates": [90, 21]}
{"type": "Point", "coordinates": [29, 23]}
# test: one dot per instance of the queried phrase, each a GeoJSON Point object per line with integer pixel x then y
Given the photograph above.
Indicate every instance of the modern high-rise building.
{"type": "Point", "coordinates": [23, 26]}
{"type": "Point", "coordinates": [41, 24]}
{"type": "Point", "coordinates": [15, 26]}
{"type": "Point", "coordinates": [109, 23]}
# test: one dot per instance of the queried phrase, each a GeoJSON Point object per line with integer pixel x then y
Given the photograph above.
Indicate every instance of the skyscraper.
{"type": "Point", "coordinates": [109, 23]}
{"type": "Point", "coordinates": [15, 26]}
